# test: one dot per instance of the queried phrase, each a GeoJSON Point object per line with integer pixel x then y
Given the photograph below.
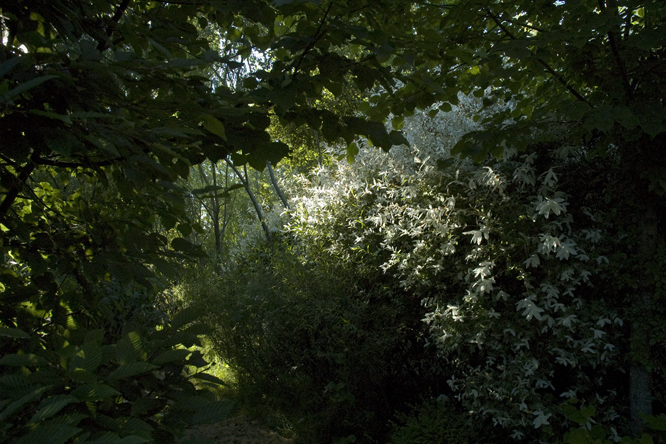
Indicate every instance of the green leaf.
{"type": "Point", "coordinates": [129, 348]}
{"type": "Point", "coordinates": [170, 356]}
{"type": "Point", "coordinates": [445, 107]}
{"type": "Point", "coordinates": [49, 433]}
{"type": "Point", "coordinates": [397, 138]}
{"type": "Point", "coordinates": [23, 360]}
{"type": "Point", "coordinates": [92, 354]}
{"type": "Point", "coordinates": [25, 87]}
{"type": "Point", "coordinates": [213, 125]}
{"type": "Point", "coordinates": [352, 151]}
{"type": "Point", "coordinates": [184, 63]}
{"type": "Point", "coordinates": [94, 392]}
{"type": "Point", "coordinates": [126, 425]}
{"type": "Point", "coordinates": [19, 403]}
{"type": "Point", "coordinates": [645, 439]}
{"type": "Point", "coordinates": [187, 247]}
{"type": "Point", "coordinates": [655, 422]}
{"type": "Point", "coordinates": [574, 414]}
{"type": "Point", "coordinates": [51, 406]}
{"type": "Point", "coordinates": [186, 316]}
{"type": "Point", "coordinates": [132, 369]}
{"type": "Point", "coordinates": [209, 378]}
{"type": "Point", "coordinates": [267, 152]}
{"type": "Point", "coordinates": [106, 438]}
{"type": "Point", "coordinates": [578, 436]}
{"type": "Point", "coordinates": [15, 333]}
{"type": "Point", "coordinates": [588, 411]}
{"type": "Point", "coordinates": [51, 115]}
{"type": "Point", "coordinates": [284, 98]}
{"type": "Point", "coordinates": [207, 189]}
{"type": "Point", "coordinates": [146, 405]}
{"type": "Point", "coordinates": [398, 122]}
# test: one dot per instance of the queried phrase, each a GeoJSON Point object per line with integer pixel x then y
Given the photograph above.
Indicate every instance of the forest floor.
{"type": "Point", "coordinates": [236, 430]}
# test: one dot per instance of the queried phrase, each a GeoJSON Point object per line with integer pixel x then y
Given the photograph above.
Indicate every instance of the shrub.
{"type": "Point", "coordinates": [334, 350]}
{"type": "Point", "coordinates": [137, 389]}
{"type": "Point", "coordinates": [442, 422]}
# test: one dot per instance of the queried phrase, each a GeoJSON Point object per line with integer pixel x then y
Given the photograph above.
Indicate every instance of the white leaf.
{"type": "Point", "coordinates": [541, 419]}
{"type": "Point", "coordinates": [532, 261]}
{"type": "Point", "coordinates": [477, 236]}
{"type": "Point", "coordinates": [567, 321]}
{"type": "Point", "coordinates": [551, 178]}
{"type": "Point", "coordinates": [547, 205]}
{"type": "Point", "coordinates": [532, 310]}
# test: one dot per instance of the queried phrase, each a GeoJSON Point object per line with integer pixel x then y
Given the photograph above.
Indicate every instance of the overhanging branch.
{"type": "Point", "coordinates": [542, 62]}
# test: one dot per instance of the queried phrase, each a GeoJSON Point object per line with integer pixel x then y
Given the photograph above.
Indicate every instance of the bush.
{"type": "Point", "coordinates": [334, 350]}
{"type": "Point", "coordinates": [433, 423]}
{"type": "Point", "coordinates": [442, 422]}
{"type": "Point", "coordinates": [137, 389]}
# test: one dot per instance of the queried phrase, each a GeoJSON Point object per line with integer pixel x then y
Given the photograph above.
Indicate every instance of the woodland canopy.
{"type": "Point", "coordinates": [405, 222]}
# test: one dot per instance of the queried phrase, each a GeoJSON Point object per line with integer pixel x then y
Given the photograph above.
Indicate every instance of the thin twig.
{"type": "Point", "coordinates": [626, 83]}
{"type": "Point", "coordinates": [316, 37]}
{"type": "Point", "coordinates": [102, 45]}
{"type": "Point", "coordinates": [542, 62]}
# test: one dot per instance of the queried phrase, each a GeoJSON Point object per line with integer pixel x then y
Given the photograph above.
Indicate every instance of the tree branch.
{"type": "Point", "coordinates": [316, 38]}
{"type": "Point", "coordinates": [18, 183]}
{"type": "Point", "coordinates": [626, 83]}
{"type": "Point", "coordinates": [101, 46]}
{"type": "Point", "coordinates": [64, 164]}
{"type": "Point", "coordinates": [246, 183]}
{"type": "Point", "coordinates": [542, 62]}
{"type": "Point", "coordinates": [278, 190]}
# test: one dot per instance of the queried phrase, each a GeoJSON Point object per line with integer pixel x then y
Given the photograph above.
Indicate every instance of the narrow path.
{"type": "Point", "coordinates": [236, 430]}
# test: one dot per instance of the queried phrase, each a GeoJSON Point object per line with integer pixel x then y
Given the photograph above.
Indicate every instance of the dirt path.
{"type": "Point", "coordinates": [236, 430]}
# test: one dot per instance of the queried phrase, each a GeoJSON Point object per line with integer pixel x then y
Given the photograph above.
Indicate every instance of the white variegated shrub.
{"type": "Point", "coordinates": [503, 258]}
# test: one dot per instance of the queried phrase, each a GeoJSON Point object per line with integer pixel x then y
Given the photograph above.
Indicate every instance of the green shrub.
{"type": "Point", "coordinates": [334, 350]}
{"type": "Point", "coordinates": [436, 422]}
{"type": "Point", "coordinates": [137, 389]}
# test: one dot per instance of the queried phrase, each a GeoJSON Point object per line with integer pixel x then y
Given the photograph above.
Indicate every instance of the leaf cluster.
{"type": "Point", "coordinates": [141, 388]}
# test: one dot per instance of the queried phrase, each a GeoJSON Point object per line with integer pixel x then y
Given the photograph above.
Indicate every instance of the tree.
{"type": "Point", "coordinates": [103, 109]}
{"type": "Point", "coordinates": [584, 73]}
{"type": "Point", "coordinates": [500, 257]}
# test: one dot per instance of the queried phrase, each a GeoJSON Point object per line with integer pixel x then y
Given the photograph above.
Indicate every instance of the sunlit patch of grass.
{"type": "Point", "coordinates": [220, 370]}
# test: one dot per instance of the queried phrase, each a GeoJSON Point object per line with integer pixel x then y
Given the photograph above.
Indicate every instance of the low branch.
{"type": "Point", "coordinates": [18, 183]}
{"type": "Point", "coordinates": [542, 62]}
{"type": "Point", "coordinates": [316, 37]}
{"type": "Point", "coordinates": [626, 83]}
{"type": "Point", "coordinates": [65, 164]}
{"type": "Point", "coordinates": [104, 44]}
{"type": "Point", "coordinates": [246, 184]}
{"type": "Point", "coordinates": [278, 190]}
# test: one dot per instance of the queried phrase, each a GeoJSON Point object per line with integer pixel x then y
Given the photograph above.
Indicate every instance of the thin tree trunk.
{"type": "Point", "coordinates": [246, 183]}
{"type": "Point", "coordinates": [317, 144]}
{"type": "Point", "coordinates": [216, 214]}
{"type": "Point", "coordinates": [278, 190]}
{"type": "Point", "coordinates": [640, 396]}
{"type": "Point", "coordinates": [225, 219]}
{"type": "Point", "coordinates": [17, 183]}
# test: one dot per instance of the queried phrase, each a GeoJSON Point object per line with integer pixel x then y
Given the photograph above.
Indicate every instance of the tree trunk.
{"type": "Point", "coordinates": [640, 396]}
{"type": "Point", "coordinates": [216, 214]}
{"type": "Point", "coordinates": [246, 184]}
{"type": "Point", "coordinates": [315, 133]}
{"type": "Point", "coordinates": [278, 190]}
{"type": "Point", "coordinates": [17, 184]}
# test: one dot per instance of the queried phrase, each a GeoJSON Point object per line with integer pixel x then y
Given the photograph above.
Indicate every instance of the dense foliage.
{"type": "Point", "coordinates": [509, 254]}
